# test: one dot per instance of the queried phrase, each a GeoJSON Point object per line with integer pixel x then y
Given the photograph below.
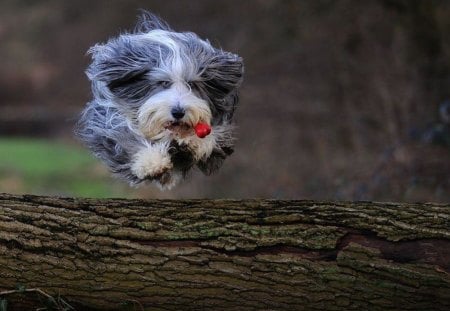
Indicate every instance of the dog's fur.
{"type": "Point", "coordinates": [137, 79]}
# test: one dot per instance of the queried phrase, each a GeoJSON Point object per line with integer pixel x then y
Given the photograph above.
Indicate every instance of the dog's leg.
{"type": "Point", "coordinates": [168, 180]}
{"type": "Point", "coordinates": [152, 162]}
{"type": "Point", "coordinates": [221, 137]}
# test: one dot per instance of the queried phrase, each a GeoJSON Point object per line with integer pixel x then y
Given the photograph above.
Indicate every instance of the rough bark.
{"type": "Point", "coordinates": [226, 254]}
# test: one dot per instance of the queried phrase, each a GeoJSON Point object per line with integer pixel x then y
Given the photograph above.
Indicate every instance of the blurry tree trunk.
{"type": "Point", "coordinates": [223, 254]}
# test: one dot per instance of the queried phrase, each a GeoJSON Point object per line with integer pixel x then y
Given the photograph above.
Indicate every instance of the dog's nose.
{"type": "Point", "coordinates": [177, 112]}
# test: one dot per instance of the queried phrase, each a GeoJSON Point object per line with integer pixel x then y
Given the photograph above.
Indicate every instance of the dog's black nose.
{"type": "Point", "coordinates": [177, 112]}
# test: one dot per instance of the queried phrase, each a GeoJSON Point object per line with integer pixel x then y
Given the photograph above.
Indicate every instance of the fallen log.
{"type": "Point", "coordinates": [118, 254]}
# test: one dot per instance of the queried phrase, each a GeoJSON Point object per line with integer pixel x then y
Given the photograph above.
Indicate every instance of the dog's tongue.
{"type": "Point", "coordinates": [202, 129]}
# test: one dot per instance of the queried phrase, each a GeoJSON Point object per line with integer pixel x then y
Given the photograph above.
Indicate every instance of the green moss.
{"type": "Point", "coordinates": [148, 226]}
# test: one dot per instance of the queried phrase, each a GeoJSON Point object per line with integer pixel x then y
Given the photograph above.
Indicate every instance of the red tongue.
{"type": "Point", "coordinates": [202, 130]}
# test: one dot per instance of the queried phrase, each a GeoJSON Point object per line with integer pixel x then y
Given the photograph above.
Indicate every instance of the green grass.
{"type": "Point", "coordinates": [47, 167]}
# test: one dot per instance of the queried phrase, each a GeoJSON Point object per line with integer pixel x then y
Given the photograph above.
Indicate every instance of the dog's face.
{"type": "Point", "coordinates": [151, 88]}
{"type": "Point", "coordinates": [165, 82]}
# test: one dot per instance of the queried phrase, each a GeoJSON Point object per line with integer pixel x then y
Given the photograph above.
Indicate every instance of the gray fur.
{"type": "Point", "coordinates": [129, 69]}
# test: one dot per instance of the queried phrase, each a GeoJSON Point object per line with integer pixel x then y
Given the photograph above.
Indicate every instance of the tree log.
{"type": "Point", "coordinates": [119, 254]}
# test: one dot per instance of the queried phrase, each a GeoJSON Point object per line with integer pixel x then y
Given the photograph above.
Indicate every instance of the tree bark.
{"type": "Point", "coordinates": [119, 254]}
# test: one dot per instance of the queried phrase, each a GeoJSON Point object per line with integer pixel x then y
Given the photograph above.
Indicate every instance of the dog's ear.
{"type": "Point", "coordinates": [119, 58]}
{"type": "Point", "coordinates": [119, 64]}
{"type": "Point", "coordinates": [221, 78]}
{"type": "Point", "coordinates": [222, 74]}
{"type": "Point", "coordinates": [148, 21]}
{"type": "Point", "coordinates": [123, 60]}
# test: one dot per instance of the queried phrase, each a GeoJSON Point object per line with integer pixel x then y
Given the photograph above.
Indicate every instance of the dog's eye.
{"type": "Point", "coordinates": [192, 84]}
{"type": "Point", "coordinates": [165, 84]}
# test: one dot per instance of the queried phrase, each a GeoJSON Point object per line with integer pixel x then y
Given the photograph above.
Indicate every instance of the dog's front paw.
{"type": "Point", "coordinates": [168, 180]}
{"type": "Point", "coordinates": [151, 163]}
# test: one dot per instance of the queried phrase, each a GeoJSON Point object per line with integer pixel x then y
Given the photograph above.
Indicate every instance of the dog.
{"type": "Point", "coordinates": [151, 87]}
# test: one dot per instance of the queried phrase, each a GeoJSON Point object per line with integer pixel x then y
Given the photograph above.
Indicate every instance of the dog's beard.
{"type": "Point", "coordinates": [155, 119]}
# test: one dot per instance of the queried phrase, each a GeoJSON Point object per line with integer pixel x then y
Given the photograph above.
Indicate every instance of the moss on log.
{"type": "Point", "coordinates": [120, 254]}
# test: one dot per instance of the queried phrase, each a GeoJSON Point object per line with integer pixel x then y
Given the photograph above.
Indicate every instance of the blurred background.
{"type": "Point", "coordinates": [344, 100]}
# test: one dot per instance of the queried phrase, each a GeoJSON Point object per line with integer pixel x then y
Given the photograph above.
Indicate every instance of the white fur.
{"type": "Point", "coordinates": [175, 67]}
{"type": "Point", "coordinates": [154, 114]}
{"type": "Point", "coordinates": [201, 147]}
{"type": "Point", "coordinates": [155, 160]}
{"type": "Point", "coordinates": [152, 160]}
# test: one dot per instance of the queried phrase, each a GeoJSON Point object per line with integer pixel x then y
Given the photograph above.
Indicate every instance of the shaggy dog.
{"type": "Point", "coordinates": [152, 89]}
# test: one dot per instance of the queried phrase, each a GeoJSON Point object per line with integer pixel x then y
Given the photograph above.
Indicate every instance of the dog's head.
{"type": "Point", "coordinates": [165, 81]}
